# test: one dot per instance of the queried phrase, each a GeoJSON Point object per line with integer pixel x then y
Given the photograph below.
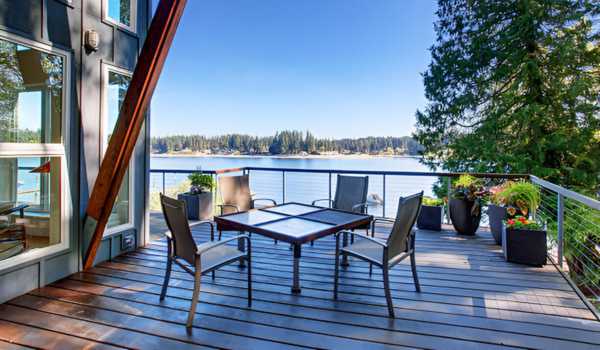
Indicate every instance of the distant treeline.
{"type": "Point", "coordinates": [284, 142]}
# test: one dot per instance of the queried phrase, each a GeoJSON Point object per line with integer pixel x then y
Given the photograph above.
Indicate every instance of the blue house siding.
{"type": "Point", "coordinates": [61, 23]}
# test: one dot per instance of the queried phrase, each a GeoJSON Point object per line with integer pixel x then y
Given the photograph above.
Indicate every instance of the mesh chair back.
{"type": "Point", "coordinates": [408, 211]}
{"type": "Point", "coordinates": [175, 214]}
{"type": "Point", "coordinates": [235, 190]}
{"type": "Point", "coordinates": [350, 191]}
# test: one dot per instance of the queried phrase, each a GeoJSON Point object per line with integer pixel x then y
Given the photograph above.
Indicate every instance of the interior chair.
{"type": "Point", "coordinates": [386, 254]}
{"type": "Point", "coordinates": [198, 259]}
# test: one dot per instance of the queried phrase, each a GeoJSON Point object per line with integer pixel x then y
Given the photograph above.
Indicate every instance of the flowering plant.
{"type": "Point", "coordinates": [522, 223]}
{"type": "Point", "coordinates": [470, 189]}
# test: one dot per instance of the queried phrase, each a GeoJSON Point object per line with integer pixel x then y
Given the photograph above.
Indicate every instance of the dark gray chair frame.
{"type": "Point", "coordinates": [244, 182]}
{"type": "Point", "coordinates": [360, 207]}
{"type": "Point", "coordinates": [399, 245]}
{"type": "Point", "coordinates": [181, 254]}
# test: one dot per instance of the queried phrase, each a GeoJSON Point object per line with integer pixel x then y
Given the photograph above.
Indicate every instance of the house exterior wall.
{"type": "Point", "coordinates": [61, 24]}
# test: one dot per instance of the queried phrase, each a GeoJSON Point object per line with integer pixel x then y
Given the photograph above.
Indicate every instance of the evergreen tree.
{"type": "Point", "coordinates": [513, 86]}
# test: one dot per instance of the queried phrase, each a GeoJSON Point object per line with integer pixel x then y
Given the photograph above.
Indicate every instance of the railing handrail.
{"type": "Point", "coordinates": [590, 202]}
{"type": "Point", "coordinates": [346, 171]}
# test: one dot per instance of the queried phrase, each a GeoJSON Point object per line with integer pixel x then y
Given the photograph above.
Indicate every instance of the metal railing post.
{"type": "Point", "coordinates": [164, 174]}
{"type": "Point", "coordinates": [329, 202]}
{"type": "Point", "coordinates": [283, 185]}
{"type": "Point", "coordinates": [448, 204]}
{"type": "Point", "coordinates": [383, 211]}
{"type": "Point", "coordinates": [560, 227]}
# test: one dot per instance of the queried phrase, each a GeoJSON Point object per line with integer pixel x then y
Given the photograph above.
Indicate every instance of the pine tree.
{"type": "Point", "coordinates": [513, 86]}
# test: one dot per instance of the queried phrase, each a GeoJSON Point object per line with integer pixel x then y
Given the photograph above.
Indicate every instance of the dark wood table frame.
{"type": "Point", "coordinates": [226, 223]}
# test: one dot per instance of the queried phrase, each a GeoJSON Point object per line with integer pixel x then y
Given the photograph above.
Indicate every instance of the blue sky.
{"type": "Point", "coordinates": [339, 68]}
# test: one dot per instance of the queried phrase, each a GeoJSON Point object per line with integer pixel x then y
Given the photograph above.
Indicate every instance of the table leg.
{"type": "Point", "coordinates": [242, 247]}
{"type": "Point", "coordinates": [344, 244]}
{"type": "Point", "coordinates": [296, 277]}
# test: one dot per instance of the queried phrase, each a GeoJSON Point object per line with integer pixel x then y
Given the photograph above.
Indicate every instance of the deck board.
{"type": "Point", "coordinates": [471, 299]}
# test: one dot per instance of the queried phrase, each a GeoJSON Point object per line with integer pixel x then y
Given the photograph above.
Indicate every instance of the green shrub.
{"type": "Point", "coordinates": [201, 183]}
{"type": "Point", "coordinates": [433, 202]}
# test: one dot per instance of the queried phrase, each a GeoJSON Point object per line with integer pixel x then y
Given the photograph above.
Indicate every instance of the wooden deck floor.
{"type": "Point", "coordinates": [471, 299]}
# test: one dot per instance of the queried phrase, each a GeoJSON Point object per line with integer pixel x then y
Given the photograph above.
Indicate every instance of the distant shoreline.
{"type": "Point", "coordinates": [288, 156]}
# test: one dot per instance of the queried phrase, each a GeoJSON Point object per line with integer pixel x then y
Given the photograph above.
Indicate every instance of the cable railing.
{"type": "Point", "coordinates": [572, 220]}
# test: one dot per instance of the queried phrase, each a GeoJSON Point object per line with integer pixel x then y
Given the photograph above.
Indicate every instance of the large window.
{"type": "Point", "coordinates": [34, 197]}
{"type": "Point", "coordinates": [121, 12]}
{"type": "Point", "coordinates": [116, 82]}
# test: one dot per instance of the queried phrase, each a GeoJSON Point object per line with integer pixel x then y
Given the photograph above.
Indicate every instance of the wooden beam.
{"type": "Point", "coordinates": [131, 117]}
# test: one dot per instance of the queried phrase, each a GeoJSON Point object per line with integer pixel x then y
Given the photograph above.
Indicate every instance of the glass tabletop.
{"type": "Point", "coordinates": [253, 217]}
{"type": "Point", "coordinates": [295, 227]}
{"type": "Point", "coordinates": [292, 209]}
{"type": "Point", "coordinates": [333, 217]}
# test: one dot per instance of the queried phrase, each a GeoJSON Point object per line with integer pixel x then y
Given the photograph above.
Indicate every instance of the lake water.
{"type": "Point", "coordinates": [303, 187]}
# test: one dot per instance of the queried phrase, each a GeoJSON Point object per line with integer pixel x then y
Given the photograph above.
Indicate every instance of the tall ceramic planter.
{"type": "Point", "coordinates": [464, 222]}
{"type": "Point", "coordinates": [496, 215]}
{"type": "Point", "coordinates": [430, 218]}
{"type": "Point", "coordinates": [199, 206]}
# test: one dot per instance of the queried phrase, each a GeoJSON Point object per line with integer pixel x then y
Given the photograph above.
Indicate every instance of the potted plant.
{"type": "Point", "coordinates": [508, 201]}
{"type": "Point", "coordinates": [199, 200]}
{"type": "Point", "coordinates": [465, 204]}
{"type": "Point", "coordinates": [430, 217]}
{"type": "Point", "coordinates": [524, 241]}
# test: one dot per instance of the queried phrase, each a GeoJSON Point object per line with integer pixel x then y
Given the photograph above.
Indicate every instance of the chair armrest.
{"type": "Point", "coordinates": [264, 199]}
{"type": "Point", "coordinates": [374, 240]}
{"type": "Point", "coordinates": [168, 235]}
{"type": "Point", "coordinates": [360, 205]}
{"type": "Point", "coordinates": [204, 247]}
{"type": "Point", "coordinates": [207, 222]}
{"type": "Point", "coordinates": [320, 200]}
{"type": "Point", "coordinates": [221, 206]}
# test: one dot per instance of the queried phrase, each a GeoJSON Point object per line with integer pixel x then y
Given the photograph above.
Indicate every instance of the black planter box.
{"type": "Point", "coordinates": [524, 246]}
{"type": "Point", "coordinates": [430, 218]}
{"type": "Point", "coordinates": [496, 215]}
{"type": "Point", "coordinates": [463, 221]}
{"type": "Point", "coordinates": [199, 206]}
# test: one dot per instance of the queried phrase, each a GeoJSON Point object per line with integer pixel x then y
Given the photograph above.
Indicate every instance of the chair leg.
{"type": "Point", "coordinates": [212, 274]}
{"type": "Point", "coordinates": [220, 233]}
{"type": "Point", "coordinates": [249, 267]}
{"type": "Point", "coordinates": [336, 274]}
{"type": "Point", "coordinates": [165, 285]}
{"type": "Point", "coordinates": [388, 294]}
{"type": "Point", "coordinates": [312, 243]}
{"type": "Point", "coordinates": [195, 296]}
{"type": "Point", "coordinates": [413, 266]}
{"type": "Point", "coordinates": [275, 241]}
{"type": "Point", "coordinates": [370, 269]}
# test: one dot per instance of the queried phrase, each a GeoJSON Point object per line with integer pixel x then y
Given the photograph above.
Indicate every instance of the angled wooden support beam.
{"type": "Point", "coordinates": [131, 117]}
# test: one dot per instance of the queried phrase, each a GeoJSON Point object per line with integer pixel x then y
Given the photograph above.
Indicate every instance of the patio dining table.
{"type": "Point", "coordinates": [294, 223]}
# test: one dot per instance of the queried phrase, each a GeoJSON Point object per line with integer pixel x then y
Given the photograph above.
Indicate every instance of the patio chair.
{"type": "Point", "coordinates": [203, 258]}
{"type": "Point", "coordinates": [350, 195]}
{"type": "Point", "coordinates": [399, 245]}
{"type": "Point", "coordinates": [236, 195]}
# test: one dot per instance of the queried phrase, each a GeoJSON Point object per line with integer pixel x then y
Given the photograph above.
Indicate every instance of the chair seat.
{"type": "Point", "coordinates": [366, 249]}
{"type": "Point", "coordinates": [218, 256]}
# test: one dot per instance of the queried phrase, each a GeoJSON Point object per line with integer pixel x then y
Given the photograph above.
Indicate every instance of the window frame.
{"type": "Point", "coordinates": [132, 27]}
{"type": "Point", "coordinates": [106, 68]}
{"type": "Point", "coordinates": [22, 150]}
